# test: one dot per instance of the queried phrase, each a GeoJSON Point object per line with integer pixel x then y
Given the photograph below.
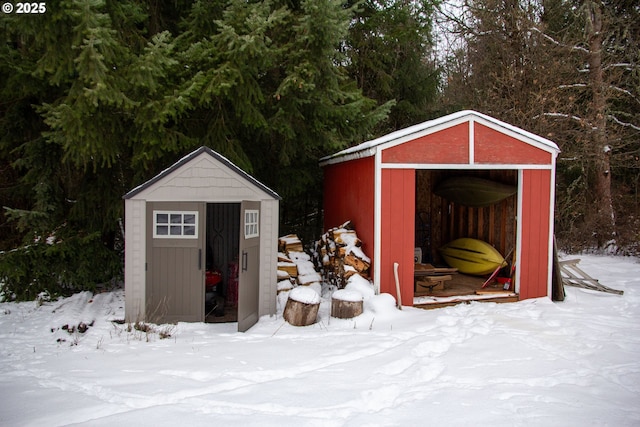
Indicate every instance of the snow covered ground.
{"type": "Point", "coordinates": [534, 363]}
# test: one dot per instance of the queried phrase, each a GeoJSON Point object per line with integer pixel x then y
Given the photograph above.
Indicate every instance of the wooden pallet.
{"type": "Point", "coordinates": [421, 270]}
{"type": "Point", "coordinates": [572, 275]}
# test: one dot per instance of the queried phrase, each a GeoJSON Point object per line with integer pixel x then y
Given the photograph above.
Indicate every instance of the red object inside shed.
{"type": "Point", "coordinates": [212, 279]}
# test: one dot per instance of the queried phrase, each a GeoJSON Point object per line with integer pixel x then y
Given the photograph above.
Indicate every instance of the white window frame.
{"type": "Point", "coordinates": [175, 222]}
{"type": "Point", "coordinates": [251, 223]}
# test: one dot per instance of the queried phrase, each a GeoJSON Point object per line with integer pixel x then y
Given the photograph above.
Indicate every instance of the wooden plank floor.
{"type": "Point", "coordinates": [462, 288]}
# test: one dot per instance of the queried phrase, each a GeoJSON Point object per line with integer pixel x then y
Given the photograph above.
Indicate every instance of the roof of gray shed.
{"type": "Point", "coordinates": [186, 159]}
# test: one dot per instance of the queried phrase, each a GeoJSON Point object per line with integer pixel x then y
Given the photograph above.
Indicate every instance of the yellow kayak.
{"type": "Point", "coordinates": [472, 256]}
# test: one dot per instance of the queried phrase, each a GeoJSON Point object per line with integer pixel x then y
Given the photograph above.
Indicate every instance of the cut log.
{"type": "Point", "coordinates": [307, 279]}
{"type": "Point", "coordinates": [299, 313]}
{"type": "Point", "coordinates": [345, 309]}
{"type": "Point", "coordinates": [290, 243]}
{"type": "Point", "coordinates": [283, 275]}
{"type": "Point", "coordinates": [283, 258]}
{"type": "Point", "coordinates": [357, 263]}
{"type": "Point", "coordinates": [288, 267]}
{"type": "Point", "coordinates": [344, 237]}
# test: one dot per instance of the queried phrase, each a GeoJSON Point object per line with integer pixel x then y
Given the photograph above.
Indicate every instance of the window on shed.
{"type": "Point", "coordinates": [251, 218]}
{"type": "Point", "coordinates": [175, 224]}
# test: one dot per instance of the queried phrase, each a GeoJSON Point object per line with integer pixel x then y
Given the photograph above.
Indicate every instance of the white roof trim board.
{"type": "Point", "coordinates": [369, 148]}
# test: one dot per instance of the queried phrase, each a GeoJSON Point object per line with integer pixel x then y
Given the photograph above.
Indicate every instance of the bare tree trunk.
{"type": "Point", "coordinates": [602, 151]}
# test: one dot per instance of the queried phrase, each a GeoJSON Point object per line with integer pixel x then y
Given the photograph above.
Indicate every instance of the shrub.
{"type": "Point", "coordinates": [57, 267]}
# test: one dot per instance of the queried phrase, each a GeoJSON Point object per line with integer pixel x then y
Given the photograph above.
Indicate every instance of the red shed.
{"type": "Point", "coordinates": [386, 187]}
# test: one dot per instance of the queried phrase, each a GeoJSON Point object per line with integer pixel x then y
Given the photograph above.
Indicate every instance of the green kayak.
{"type": "Point", "coordinates": [474, 192]}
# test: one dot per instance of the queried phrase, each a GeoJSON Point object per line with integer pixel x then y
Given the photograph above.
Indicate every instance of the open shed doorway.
{"type": "Point", "coordinates": [221, 254]}
{"type": "Point", "coordinates": [440, 221]}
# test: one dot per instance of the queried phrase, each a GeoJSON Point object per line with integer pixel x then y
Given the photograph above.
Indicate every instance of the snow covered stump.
{"type": "Point", "coordinates": [302, 306]}
{"type": "Point", "coordinates": [346, 304]}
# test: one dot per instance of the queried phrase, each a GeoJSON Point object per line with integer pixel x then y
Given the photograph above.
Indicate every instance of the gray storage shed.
{"type": "Point", "coordinates": [202, 214]}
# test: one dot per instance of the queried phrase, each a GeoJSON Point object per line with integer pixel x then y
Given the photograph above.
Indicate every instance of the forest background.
{"type": "Point", "coordinates": [98, 96]}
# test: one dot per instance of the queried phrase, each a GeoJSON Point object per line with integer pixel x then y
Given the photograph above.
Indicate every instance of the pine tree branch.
{"type": "Point", "coordinates": [621, 123]}
{"type": "Point", "coordinates": [611, 87]}
{"type": "Point", "coordinates": [557, 43]}
{"type": "Point", "coordinates": [627, 66]}
{"type": "Point", "coordinates": [625, 92]}
{"type": "Point", "coordinates": [577, 119]}
{"type": "Point", "coordinates": [574, 85]}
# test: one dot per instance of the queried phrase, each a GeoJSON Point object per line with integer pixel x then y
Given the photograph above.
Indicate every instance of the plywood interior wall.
{"type": "Point", "coordinates": [439, 221]}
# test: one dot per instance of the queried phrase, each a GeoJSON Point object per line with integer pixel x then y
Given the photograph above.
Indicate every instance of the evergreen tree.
{"type": "Point", "coordinates": [391, 55]}
{"type": "Point", "coordinates": [99, 96]}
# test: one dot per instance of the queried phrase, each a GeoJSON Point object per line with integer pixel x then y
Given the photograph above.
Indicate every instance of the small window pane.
{"type": "Point", "coordinates": [175, 224]}
{"type": "Point", "coordinates": [251, 218]}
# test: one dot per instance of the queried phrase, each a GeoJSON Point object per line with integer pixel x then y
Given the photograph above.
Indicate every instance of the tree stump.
{"type": "Point", "coordinates": [346, 304]}
{"type": "Point", "coordinates": [302, 306]}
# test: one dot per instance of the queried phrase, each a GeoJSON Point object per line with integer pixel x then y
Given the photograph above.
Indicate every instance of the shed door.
{"type": "Point", "coordinates": [248, 286]}
{"type": "Point", "coordinates": [175, 256]}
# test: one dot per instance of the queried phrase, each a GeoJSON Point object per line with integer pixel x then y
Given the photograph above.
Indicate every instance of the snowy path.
{"type": "Point", "coordinates": [533, 363]}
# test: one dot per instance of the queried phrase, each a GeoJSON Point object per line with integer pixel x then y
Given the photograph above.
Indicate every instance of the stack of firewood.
{"type": "Point", "coordinates": [290, 243]}
{"type": "Point", "coordinates": [294, 265]}
{"type": "Point", "coordinates": [338, 254]}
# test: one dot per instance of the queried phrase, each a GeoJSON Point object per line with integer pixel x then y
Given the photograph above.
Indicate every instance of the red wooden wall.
{"type": "Point", "coordinates": [349, 195]}
{"type": "Point", "coordinates": [397, 231]}
{"type": "Point", "coordinates": [493, 147]}
{"type": "Point", "coordinates": [447, 146]}
{"type": "Point", "coordinates": [535, 222]}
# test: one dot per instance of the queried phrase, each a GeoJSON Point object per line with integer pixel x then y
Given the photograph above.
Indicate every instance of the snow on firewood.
{"type": "Point", "coordinates": [283, 275]}
{"type": "Point", "coordinates": [284, 286]}
{"type": "Point", "coordinates": [290, 243]}
{"type": "Point", "coordinates": [358, 253]}
{"type": "Point", "coordinates": [307, 273]}
{"type": "Point", "coordinates": [339, 255]}
{"type": "Point", "coordinates": [299, 256]}
{"type": "Point", "coordinates": [307, 279]}
{"type": "Point", "coordinates": [288, 267]}
{"type": "Point", "coordinates": [294, 262]}
{"type": "Point", "coordinates": [361, 285]}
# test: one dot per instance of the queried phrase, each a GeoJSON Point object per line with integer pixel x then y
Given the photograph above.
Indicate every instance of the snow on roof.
{"type": "Point", "coordinates": [369, 148]}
